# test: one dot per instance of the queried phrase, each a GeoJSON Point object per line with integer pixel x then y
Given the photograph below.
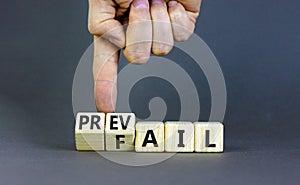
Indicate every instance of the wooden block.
{"type": "Point", "coordinates": [209, 136]}
{"type": "Point", "coordinates": [89, 131]}
{"type": "Point", "coordinates": [120, 131]}
{"type": "Point", "coordinates": [149, 137]}
{"type": "Point", "coordinates": [179, 137]}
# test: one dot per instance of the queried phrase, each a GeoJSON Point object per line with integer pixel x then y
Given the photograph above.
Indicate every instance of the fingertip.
{"type": "Point", "coordinates": [182, 34]}
{"type": "Point", "coordinates": [136, 57]}
{"type": "Point", "coordinates": [161, 49]}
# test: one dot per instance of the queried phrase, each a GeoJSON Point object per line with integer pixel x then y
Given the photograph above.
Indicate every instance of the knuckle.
{"type": "Point", "coordinates": [92, 28]}
{"type": "Point", "coordinates": [140, 58]}
{"type": "Point", "coordinates": [182, 37]}
{"type": "Point", "coordinates": [183, 33]}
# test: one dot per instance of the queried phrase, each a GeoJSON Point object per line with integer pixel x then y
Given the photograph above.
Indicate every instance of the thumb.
{"type": "Point", "coordinates": [105, 69]}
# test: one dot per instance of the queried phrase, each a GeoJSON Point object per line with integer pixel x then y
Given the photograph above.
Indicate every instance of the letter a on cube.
{"type": "Point", "coordinates": [149, 137]}
{"type": "Point", "coordinates": [89, 131]}
{"type": "Point", "coordinates": [120, 131]}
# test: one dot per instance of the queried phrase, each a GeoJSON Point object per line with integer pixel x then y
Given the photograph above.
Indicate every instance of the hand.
{"type": "Point", "coordinates": [151, 29]}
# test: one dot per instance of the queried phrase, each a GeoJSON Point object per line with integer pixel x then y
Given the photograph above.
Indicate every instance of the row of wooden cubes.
{"type": "Point", "coordinates": [120, 132]}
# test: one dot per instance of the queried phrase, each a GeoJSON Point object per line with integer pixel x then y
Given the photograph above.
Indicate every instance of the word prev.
{"type": "Point", "coordinates": [120, 132]}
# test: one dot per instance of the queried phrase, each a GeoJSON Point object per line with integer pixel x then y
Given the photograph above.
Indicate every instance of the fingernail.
{"type": "Point", "coordinates": [157, 1]}
{"type": "Point", "coordinates": [140, 3]}
{"type": "Point", "coordinates": [172, 3]}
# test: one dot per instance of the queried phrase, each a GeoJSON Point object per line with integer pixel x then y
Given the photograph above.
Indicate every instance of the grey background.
{"type": "Point", "coordinates": [257, 45]}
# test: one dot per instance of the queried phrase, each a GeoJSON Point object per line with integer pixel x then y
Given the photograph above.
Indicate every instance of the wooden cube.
{"type": "Point", "coordinates": [209, 136]}
{"type": "Point", "coordinates": [120, 131]}
{"type": "Point", "coordinates": [179, 137]}
{"type": "Point", "coordinates": [149, 137]}
{"type": "Point", "coordinates": [89, 131]}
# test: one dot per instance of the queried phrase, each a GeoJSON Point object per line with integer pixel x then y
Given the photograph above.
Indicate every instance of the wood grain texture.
{"type": "Point", "coordinates": [120, 131]}
{"type": "Point", "coordinates": [144, 129]}
{"type": "Point", "coordinates": [179, 137]}
{"type": "Point", "coordinates": [209, 136]}
{"type": "Point", "coordinates": [89, 131]}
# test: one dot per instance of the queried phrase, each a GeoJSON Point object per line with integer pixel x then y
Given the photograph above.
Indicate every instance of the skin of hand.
{"type": "Point", "coordinates": [153, 27]}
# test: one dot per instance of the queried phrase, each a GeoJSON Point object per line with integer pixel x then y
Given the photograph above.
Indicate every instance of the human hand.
{"type": "Point", "coordinates": [152, 28]}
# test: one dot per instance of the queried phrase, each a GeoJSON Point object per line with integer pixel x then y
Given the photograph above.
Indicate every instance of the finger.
{"type": "Point", "coordinates": [162, 30]}
{"type": "Point", "coordinates": [102, 22]}
{"type": "Point", "coordinates": [183, 24]}
{"type": "Point", "coordinates": [139, 33]}
{"type": "Point", "coordinates": [123, 7]}
{"type": "Point", "coordinates": [105, 68]}
{"type": "Point", "coordinates": [192, 8]}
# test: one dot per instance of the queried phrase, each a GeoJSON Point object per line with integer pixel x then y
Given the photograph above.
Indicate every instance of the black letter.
{"type": "Point", "coordinates": [207, 140]}
{"type": "Point", "coordinates": [122, 121]}
{"type": "Point", "coordinates": [112, 122]}
{"type": "Point", "coordinates": [180, 144]}
{"type": "Point", "coordinates": [118, 140]}
{"type": "Point", "coordinates": [95, 121]}
{"type": "Point", "coordinates": [81, 122]}
{"type": "Point", "coordinates": [146, 141]}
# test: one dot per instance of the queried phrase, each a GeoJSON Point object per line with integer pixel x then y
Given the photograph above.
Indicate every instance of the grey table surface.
{"type": "Point", "coordinates": [257, 45]}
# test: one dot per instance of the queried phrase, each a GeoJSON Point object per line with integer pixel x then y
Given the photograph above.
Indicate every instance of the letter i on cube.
{"type": "Point", "coordinates": [179, 136]}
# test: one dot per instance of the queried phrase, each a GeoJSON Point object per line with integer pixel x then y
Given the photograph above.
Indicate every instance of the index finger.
{"type": "Point", "coordinates": [105, 68]}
